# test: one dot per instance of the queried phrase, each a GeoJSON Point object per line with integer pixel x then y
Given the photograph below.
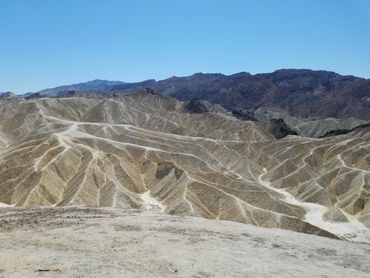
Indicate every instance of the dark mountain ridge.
{"type": "Point", "coordinates": [303, 93]}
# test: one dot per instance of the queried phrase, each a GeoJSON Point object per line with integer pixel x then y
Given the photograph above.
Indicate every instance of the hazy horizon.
{"type": "Point", "coordinates": [94, 79]}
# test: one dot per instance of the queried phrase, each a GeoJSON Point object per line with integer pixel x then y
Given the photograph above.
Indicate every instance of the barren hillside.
{"type": "Point", "coordinates": [144, 150]}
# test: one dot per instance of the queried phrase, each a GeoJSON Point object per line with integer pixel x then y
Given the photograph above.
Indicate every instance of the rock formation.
{"type": "Point", "coordinates": [145, 149]}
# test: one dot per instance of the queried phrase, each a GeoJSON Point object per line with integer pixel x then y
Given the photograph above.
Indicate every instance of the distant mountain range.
{"type": "Point", "coordinates": [302, 93]}
{"type": "Point", "coordinates": [96, 85]}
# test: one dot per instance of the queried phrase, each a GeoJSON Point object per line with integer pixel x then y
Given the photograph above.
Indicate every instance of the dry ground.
{"type": "Point", "coordinates": [101, 242]}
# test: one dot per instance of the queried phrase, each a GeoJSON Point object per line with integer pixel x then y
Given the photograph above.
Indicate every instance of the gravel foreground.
{"type": "Point", "coordinates": [106, 242]}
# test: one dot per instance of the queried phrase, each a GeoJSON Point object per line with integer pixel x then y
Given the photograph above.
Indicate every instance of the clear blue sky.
{"type": "Point", "coordinates": [45, 43]}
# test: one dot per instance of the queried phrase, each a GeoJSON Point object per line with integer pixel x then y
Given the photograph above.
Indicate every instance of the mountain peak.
{"type": "Point", "coordinates": [8, 95]}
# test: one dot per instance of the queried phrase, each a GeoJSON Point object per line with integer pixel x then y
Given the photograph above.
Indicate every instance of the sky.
{"type": "Point", "coordinates": [46, 43]}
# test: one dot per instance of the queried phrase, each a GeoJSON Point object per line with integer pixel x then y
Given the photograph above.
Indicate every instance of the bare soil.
{"type": "Point", "coordinates": [102, 242]}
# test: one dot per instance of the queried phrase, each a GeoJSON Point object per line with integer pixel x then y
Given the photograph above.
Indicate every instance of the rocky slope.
{"type": "Point", "coordinates": [308, 127]}
{"type": "Point", "coordinates": [146, 150]}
